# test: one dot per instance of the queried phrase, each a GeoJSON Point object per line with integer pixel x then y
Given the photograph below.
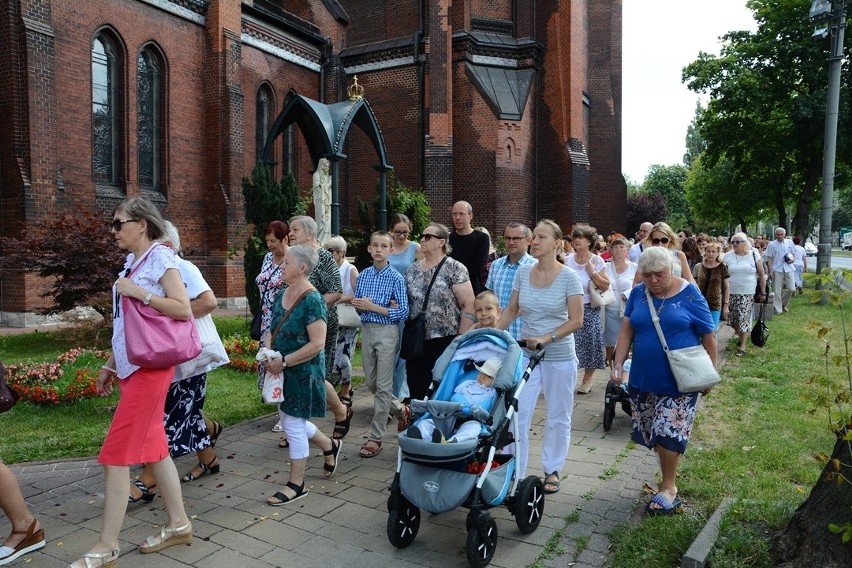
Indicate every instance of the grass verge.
{"type": "Point", "coordinates": [754, 439]}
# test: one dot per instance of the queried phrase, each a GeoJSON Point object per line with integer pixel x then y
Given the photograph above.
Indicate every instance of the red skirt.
{"type": "Point", "coordinates": [136, 434]}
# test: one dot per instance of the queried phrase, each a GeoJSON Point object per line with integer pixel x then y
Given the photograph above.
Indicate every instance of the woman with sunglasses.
{"type": "Point", "coordinates": [403, 254]}
{"type": "Point", "coordinates": [745, 267]}
{"type": "Point", "coordinates": [136, 434]}
{"type": "Point", "coordinates": [449, 310]}
{"type": "Point", "coordinates": [661, 235]}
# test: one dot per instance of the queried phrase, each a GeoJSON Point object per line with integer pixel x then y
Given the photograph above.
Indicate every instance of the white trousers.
{"type": "Point", "coordinates": [788, 282]}
{"type": "Point", "coordinates": [557, 380]}
{"type": "Point", "coordinates": [298, 431]}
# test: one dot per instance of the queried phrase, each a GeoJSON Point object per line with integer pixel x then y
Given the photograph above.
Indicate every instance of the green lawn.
{"type": "Point", "coordinates": [33, 432]}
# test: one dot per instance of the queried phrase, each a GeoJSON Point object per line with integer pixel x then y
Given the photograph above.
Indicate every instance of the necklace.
{"type": "Point", "coordinates": [739, 257]}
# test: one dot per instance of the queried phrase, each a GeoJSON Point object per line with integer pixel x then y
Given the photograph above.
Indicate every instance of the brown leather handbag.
{"type": "Point", "coordinates": [8, 396]}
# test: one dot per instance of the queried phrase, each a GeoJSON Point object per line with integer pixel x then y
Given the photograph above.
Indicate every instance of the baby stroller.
{"type": "Point", "coordinates": [616, 394]}
{"type": "Point", "coordinates": [477, 473]}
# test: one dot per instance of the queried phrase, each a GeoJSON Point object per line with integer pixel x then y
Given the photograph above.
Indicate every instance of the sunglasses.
{"type": "Point", "coordinates": [737, 242]}
{"type": "Point", "coordinates": [429, 237]}
{"type": "Point", "coordinates": [664, 240]}
{"type": "Point", "coordinates": [118, 223]}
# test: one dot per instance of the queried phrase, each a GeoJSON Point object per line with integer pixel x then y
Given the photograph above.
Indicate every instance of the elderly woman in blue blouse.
{"type": "Point", "coordinates": [662, 416]}
{"type": "Point", "coordinates": [298, 329]}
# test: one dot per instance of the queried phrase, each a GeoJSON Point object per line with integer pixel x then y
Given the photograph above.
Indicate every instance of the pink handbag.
{"type": "Point", "coordinates": [155, 340]}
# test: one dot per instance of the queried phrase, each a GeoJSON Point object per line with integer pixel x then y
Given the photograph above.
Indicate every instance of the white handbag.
{"type": "Point", "coordinates": [212, 354]}
{"type": "Point", "coordinates": [599, 298]}
{"type": "Point", "coordinates": [347, 316]}
{"type": "Point", "coordinates": [692, 367]}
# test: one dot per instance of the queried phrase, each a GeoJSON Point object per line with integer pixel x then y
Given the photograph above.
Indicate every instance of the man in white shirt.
{"type": "Point", "coordinates": [780, 256]}
{"type": "Point", "coordinates": [636, 250]}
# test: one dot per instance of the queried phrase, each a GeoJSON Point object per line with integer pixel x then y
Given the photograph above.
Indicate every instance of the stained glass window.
{"type": "Point", "coordinates": [149, 114]}
{"type": "Point", "coordinates": [106, 139]}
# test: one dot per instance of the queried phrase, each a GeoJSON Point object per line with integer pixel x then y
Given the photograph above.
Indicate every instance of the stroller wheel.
{"type": "Point", "coordinates": [609, 414]}
{"type": "Point", "coordinates": [403, 524]}
{"type": "Point", "coordinates": [529, 504]}
{"type": "Point", "coordinates": [481, 542]}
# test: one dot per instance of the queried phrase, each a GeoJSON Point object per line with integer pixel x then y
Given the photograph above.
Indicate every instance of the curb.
{"type": "Point", "coordinates": [697, 554]}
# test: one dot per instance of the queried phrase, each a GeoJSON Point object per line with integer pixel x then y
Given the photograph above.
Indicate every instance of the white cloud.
{"type": "Point", "coordinates": [661, 37]}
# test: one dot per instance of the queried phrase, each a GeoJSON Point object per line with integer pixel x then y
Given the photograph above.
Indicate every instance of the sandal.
{"type": "Point", "coordinates": [33, 541]}
{"type": "Point", "coordinates": [341, 427]}
{"type": "Point", "coordinates": [740, 352]}
{"type": "Point", "coordinates": [205, 469]}
{"type": "Point", "coordinates": [166, 538]}
{"type": "Point", "coordinates": [96, 559]}
{"type": "Point", "coordinates": [280, 499]}
{"type": "Point", "coordinates": [145, 492]}
{"type": "Point", "coordinates": [584, 388]}
{"type": "Point", "coordinates": [666, 507]}
{"type": "Point", "coordinates": [346, 398]}
{"type": "Point", "coordinates": [368, 451]}
{"type": "Point", "coordinates": [214, 433]}
{"type": "Point", "coordinates": [284, 443]}
{"type": "Point", "coordinates": [551, 480]}
{"type": "Point", "coordinates": [334, 451]}
{"type": "Point", "coordinates": [404, 419]}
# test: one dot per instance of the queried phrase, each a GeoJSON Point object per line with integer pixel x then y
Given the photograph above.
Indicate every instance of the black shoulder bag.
{"type": "Point", "coordinates": [757, 290]}
{"type": "Point", "coordinates": [414, 332]}
{"type": "Point", "coordinates": [760, 333]}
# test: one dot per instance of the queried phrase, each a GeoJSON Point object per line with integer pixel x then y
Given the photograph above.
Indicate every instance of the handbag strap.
{"type": "Point", "coordinates": [429, 289]}
{"type": "Point", "coordinates": [287, 315]}
{"type": "Point", "coordinates": [130, 272]}
{"type": "Point", "coordinates": [655, 318]}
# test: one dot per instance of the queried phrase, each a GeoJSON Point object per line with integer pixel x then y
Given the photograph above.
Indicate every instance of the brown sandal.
{"type": "Point", "coordinates": [33, 541]}
{"type": "Point", "coordinates": [368, 451]}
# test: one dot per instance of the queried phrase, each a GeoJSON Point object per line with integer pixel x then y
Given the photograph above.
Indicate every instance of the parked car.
{"type": "Point", "coordinates": [810, 249]}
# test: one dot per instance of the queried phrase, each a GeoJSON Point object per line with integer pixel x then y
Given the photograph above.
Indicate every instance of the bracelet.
{"type": "Point", "coordinates": [109, 370]}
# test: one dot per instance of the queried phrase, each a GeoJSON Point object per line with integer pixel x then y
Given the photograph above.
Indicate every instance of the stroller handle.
{"type": "Point", "coordinates": [538, 355]}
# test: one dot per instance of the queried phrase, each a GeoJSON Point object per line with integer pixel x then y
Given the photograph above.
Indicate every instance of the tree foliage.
{"type": "Point", "coordinates": [401, 199]}
{"type": "Point", "coordinates": [668, 182]}
{"type": "Point", "coordinates": [643, 207]}
{"type": "Point", "coordinates": [767, 110]}
{"type": "Point", "coordinates": [76, 253]}
{"type": "Point", "coordinates": [266, 200]}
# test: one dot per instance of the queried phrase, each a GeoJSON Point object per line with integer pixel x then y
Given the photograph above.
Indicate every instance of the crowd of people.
{"type": "Point", "coordinates": [540, 291]}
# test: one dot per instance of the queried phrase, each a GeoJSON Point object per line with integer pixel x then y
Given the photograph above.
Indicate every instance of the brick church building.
{"type": "Point", "coordinates": [512, 105]}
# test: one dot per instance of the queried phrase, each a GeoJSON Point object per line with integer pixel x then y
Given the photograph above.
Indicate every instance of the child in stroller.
{"type": "Point", "coordinates": [477, 472]}
{"type": "Point", "coordinates": [478, 392]}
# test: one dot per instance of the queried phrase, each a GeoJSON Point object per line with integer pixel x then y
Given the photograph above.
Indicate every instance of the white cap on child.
{"type": "Point", "coordinates": [491, 367]}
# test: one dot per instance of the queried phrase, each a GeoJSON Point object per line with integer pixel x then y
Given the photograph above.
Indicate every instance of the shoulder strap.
{"type": "Point", "coordinates": [287, 315]}
{"type": "Point", "coordinates": [429, 289]}
{"type": "Point", "coordinates": [656, 320]}
{"type": "Point", "coordinates": [143, 259]}
{"type": "Point", "coordinates": [708, 273]}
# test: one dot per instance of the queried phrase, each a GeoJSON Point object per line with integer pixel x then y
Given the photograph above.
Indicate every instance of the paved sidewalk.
{"type": "Point", "coordinates": [343, 521]}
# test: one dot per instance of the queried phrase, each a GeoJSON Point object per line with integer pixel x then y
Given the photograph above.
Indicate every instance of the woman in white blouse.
{"type": "Point", "coordinates": [621, 272]}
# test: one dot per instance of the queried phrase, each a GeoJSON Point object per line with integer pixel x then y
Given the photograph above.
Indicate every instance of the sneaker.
{"type": "Point", "coordinates": [277, 427]}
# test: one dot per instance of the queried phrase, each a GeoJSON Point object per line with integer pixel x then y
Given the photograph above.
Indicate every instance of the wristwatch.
{"type": "Point", "coordinates": [147, 299]}
{"type": "Point", "coordinates": [552, 336]}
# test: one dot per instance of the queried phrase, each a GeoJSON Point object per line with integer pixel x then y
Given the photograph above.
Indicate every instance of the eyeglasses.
{"type": "Point", "coordinates": [737, 242]}
{"type": "Point", "coordinates": [401, 233]}
{"type": "Point", "coordinates": [117, 224]}
{"type": "Point", "coordinates": [664, 240]}
{"type": "Point", "coordinates": [429, 237]}
{"type": "Point", "coordinates": [514, 239]}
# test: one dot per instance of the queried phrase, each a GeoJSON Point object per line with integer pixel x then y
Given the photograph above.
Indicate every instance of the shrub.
{"type": "Point", "coordinates": [265, 201]}
{"type": "Point", "coordinates": [77, 253]}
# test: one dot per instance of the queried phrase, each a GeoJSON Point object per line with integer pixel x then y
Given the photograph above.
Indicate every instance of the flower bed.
{"type": "Point", "coordinates": [241, 350]}
{"type": "Point", "coordinates": [71, 377]}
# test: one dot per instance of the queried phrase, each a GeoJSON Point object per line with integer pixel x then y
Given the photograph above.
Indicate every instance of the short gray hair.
{"type": "Point", "coordinates": [655, 259]}
{"type": "Point", "coordinates": [306, 255]}
{"type": "Point", "coordinates": [307, 223]}
{"type": "Point", "coordinates": [171, 236]}
{"type": "Point", "coordinates": [336, 243]}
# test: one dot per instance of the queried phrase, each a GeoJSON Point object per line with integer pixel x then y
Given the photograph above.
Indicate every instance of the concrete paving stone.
{"type": "Point", "coordinates": [370, 559]}
{"type": "Point", "coordinates": [592, 557]}
{"type": "Point", "coordinates": [278, 534]}
{"type": "Point", "coordinates": [224, 517]}
{"type": "Point", "coordinates": [190, 554]}
{"type": "Point", "coordinates": [598, 542]}
{"type": "Point", "coordinates": [234, 540]}
{"type": "Point", "coordinates": [327, 550]}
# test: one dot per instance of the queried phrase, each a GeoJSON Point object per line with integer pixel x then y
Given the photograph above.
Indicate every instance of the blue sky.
{"type": "Point", "coordinates": [661, 37]}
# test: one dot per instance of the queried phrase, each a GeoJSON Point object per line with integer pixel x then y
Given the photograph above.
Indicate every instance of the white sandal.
{"type": "Point", "coordinates": [97, 560]}
{"type": "Point", "coordinates": [166, 538]}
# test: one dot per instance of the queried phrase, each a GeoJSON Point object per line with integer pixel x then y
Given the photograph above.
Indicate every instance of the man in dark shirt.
{"type": "Point", "coordinates": [469, 247]}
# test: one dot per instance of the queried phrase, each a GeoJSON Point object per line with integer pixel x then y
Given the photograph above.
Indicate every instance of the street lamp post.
{"type": "Point", "coordinates": [830, 19]}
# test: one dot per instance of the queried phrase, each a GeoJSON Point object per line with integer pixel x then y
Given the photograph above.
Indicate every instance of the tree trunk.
{"type": "Point", "coordinates": [806, 541]}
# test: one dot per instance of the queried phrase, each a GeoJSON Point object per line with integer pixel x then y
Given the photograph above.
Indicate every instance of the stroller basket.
{"type": "Point", "coordinates": [439, 490]}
